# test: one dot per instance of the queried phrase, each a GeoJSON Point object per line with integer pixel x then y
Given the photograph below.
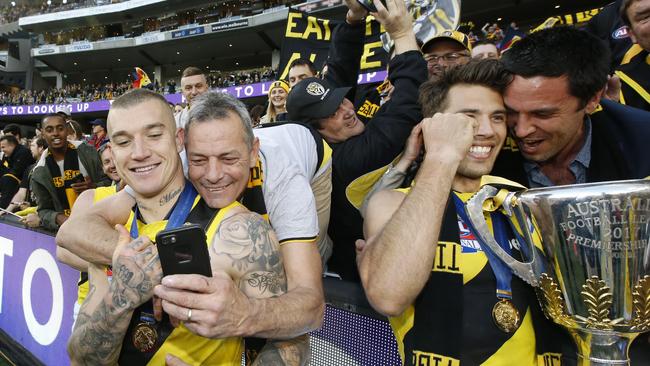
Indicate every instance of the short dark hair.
{"type": "Point", "coordinates": [13, 129]}
{"type": "Point", "coordinates": [302, 61]}
{"type": "Point", "coordinates": [10, 139]}
{"type": "Point", "coordinates": [562, 51]}
{"type": "Point", "coordinates": [625, 5]}
{"type": "Point", "coordinates": [138, 96]}
{"type": "Point", "coordinates": [488, 73]}
{"type": "Point", "coordinates": [192, 71]}
{"type": "Point", "coordinates": [54, 115]}
{"type": "Point", "coordinates": [40, 142]}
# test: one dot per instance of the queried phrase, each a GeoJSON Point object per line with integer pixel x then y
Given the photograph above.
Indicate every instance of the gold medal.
{"type": "Point", "coordinates": [506, 316]}
{"type": "Point", "coordinates": [144, 337]}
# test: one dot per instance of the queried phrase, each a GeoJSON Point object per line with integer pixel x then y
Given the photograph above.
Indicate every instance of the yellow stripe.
{"type": "Point", "coordinates": [401, 325]}
{"type": "Point", "coordinates": [629, 55]}
{"type": "Point", "coordinates": [12, 176]}
{"type": "Point", "coordinates": [520, 347]}
{"type": "Point", "coordinates": [634, 85]}
{"type": "Point", "coordinates": [307, 240]}
{"type": "Point", "coordinates": [327, 155]}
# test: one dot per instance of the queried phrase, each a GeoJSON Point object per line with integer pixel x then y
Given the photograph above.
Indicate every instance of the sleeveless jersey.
{"type": "Point", "coordinates": [450, 323]}
{"type": "Point", "coordinates": [191, 348]}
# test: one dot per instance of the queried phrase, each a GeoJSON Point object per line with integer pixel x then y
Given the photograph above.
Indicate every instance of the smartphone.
{"type": "Point", "coordinates": [368, 5]}
{"type": "Point", "coordinates": [184, 250]}
{"type": "Point", "coordinates": [78, 179]}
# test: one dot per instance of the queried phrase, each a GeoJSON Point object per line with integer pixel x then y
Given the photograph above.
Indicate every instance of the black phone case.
{"type": "Point", "coordinates": [184, 250]}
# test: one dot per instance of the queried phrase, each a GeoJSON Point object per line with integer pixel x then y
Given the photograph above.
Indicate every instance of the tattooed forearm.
{"type": "Point", "coordinates": [294, 352]}
{"type": "Point", "coordinates": [170, 196]}
{"type": "Point", "coordinates": [102, 322]}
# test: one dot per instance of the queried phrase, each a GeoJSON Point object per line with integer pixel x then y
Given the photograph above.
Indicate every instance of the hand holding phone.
{"type": "Point", "coordinates": [184, 250]}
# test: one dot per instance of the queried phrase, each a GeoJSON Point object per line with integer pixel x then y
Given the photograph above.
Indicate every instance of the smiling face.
{"type": "Point", "coordinates": [55, 133]}
{"type": "Point", "coordinates": [343, 124]}
{"type": "Point", "coordinates": [639, 15]}
{"type": "Point", "coordinates": [220, 160]}
{"type": "Point", "coordinates": [544, 118]}
{"type": "Point", "coordinates": [108, 166]}
{"type": "Point", "coordinates": [486, 106]}
{"type": "Point", "coordinates": [193, 86]}
{"type": "Point", "coordinates": [145, 145]}
{"type": "Point", "coordinates": [299, 72]}
{"type": "Point", "coordinates": [7, 148]}
{"type": "Point", "coordinates": [278, 97]}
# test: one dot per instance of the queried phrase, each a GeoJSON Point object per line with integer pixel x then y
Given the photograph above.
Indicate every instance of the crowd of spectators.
{"type": "Point", "coordinates": [198, 16]}
{"type": "Point", "coordinates": [220, 79]}
{"type": "Point", "coordinates": [75, 93]}
{"type": "Point", "coordinates": [11, 11]}
{"type": "Point", "coordinates": [440, 117]}
{"type": "Point", "coordinates": [72, 93]}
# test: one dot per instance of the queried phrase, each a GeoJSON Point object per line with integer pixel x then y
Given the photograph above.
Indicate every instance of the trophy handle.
{"type": "Point", "coordinates": [474, 205]}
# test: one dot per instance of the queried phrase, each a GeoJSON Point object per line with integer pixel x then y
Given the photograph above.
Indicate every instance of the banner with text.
{"type": "Point", "coordinates": [309, 38]}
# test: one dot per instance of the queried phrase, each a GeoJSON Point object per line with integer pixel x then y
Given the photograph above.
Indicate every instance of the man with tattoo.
{"type": "Point", "coordinates": [117, 322]}
{"type": "Point", "coordinates": [276, 186]}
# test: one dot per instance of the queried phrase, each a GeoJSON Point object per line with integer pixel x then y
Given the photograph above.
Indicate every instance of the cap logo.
{"type": "Point", "coordinates": [315, 89]}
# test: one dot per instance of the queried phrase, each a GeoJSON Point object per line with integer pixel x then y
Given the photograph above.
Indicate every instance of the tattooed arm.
{"type": "Point", "coordinates": [105, 314]}
{"type": "Point", "coordinates": [247, 271]}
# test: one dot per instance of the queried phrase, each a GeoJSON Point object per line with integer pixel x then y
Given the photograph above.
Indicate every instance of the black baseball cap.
{"type": "Point", "coordinates": [99, 122]}
{"type": "Point", "coordinates": [314, 98]}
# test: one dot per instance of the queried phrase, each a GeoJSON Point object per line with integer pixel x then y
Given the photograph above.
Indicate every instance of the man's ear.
{"type": "Point", "coordinates": [180, 139]}
{"type": "Point", "coordinates": [633, 36]}
{"type": "Point", "coordinates": [254, 153]}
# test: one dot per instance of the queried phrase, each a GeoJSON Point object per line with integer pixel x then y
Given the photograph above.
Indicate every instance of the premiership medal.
{"type": "Point", "coordinates": [506, 316]}
{"type": "Point", "coordinates": [144, 337]}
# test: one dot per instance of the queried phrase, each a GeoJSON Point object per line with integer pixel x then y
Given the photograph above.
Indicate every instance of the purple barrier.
{"type": "Point", "coordinates": [37, 294]}
{"type": "Point", "coordinates": [240, 91]}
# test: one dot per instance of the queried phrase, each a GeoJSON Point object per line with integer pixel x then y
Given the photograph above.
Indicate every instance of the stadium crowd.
{"type": "Point", "coordinates": [74, 93]}
{"type": "Point", "coordinates": [11, 11]}
{"type": "Point", "coordinates": [280, 203]}
{"type": "Point", "coordinates": [190, 17]}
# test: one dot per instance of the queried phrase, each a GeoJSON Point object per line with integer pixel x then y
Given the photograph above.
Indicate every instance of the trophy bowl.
{"type": "Point", "coordinates": [585, 249]}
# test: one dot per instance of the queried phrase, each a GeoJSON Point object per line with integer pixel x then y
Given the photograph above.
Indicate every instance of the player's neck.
{"type": "Point", "coordinates": [156, 208]}
{"type": "Point", "coordinates": [465, 184]}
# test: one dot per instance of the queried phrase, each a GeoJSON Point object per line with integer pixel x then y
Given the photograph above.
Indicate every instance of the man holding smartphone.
{"type": "Point", "coordinates": [246, 264]}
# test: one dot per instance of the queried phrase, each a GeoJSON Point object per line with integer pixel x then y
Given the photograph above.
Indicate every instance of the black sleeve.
{"type": "Point", "coordinates": [344, 55]}
{"type": "Point", "coordinates": [387, 132]}
{"type": "Point", "coordinates": [24, 180]}
{"type": "Point", "coordinates": [19, 163]}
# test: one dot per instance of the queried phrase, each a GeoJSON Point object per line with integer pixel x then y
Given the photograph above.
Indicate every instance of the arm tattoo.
{"type": "Point", "coordinates": [248, 240]}
{"type": "Point", "coordinates": [99, 332]}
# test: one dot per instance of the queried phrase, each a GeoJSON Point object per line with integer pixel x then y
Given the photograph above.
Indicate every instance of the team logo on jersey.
{"type": "Point", "coordinates": [467, 239]}
{"type": "Point", "coordinates": [621, 33]}
{"type": "Point", "coordinates": [315, 89]}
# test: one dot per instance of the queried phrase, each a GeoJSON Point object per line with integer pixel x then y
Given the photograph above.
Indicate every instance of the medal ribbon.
{"type": "Point", "coordinates": [502, 272]}
{"type": "Point", "coordinates": [179, 213]}
{"type": "Point", "coordinates": [175, 219]}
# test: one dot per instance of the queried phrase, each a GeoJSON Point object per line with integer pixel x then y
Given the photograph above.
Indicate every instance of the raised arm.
{"type": "Point", "coordinates": [105, 314]}
{"type": "Point", "coordinates": [89, 231]}
{"type": "Point", "coordinates": [402, 231]}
